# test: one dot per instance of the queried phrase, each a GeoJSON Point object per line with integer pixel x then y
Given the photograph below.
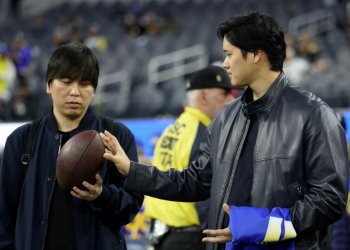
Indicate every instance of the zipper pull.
{"type": "Point", "coordinates": [59, 147]}
{"type": "Point", "coordinates": [300, 191]}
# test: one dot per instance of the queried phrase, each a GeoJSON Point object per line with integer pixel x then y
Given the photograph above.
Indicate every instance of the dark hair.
{"type": "Point", "coordinates": [254, 31]}
{"type": "Point", "coordinates": [74, 61]}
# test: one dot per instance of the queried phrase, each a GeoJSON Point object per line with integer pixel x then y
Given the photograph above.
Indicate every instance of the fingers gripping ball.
{"type": "Point", "coordinates": [80, 158]}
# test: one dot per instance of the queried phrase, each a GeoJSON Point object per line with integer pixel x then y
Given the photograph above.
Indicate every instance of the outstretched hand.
{"type": "Point", "coordinates": [115, 153]}
{"type": "Point", "coordinates": [219, 235]}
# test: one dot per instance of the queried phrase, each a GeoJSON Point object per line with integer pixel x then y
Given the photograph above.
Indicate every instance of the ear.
{"type": "Point", "coordinates": [257, 56]}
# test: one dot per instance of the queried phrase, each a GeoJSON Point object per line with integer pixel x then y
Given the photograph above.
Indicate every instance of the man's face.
{"type": "Point", "coordinates": [241, 70]}
{"type": "Point", "coordinates": [70, 98]}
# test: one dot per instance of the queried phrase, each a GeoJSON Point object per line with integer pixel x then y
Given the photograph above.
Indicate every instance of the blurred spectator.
{"type": "Point", "coordinates": [21, 53]}
{"type": "Point", "coordinates": [95, 40]}
{"type": "Point", "coordinates": [133, 26]}
{"type": "Point", "coordinates": [7, 74]}
{"type": "Point", "coordinates": [69, 30]}
{"type": "Point", "coordinates": [149, 23]}
{"type": "Point", "coordinates": [308, 48]}
{"type": "Point", "coordinates": [152, 22]}
{"type": "Point", "coordinates": [7, 80]}
{"type": "Point", "coordinates": [19, 104]}
{"type": "Point", "coordinates": [295, 67]}
{"type": "Point", "coordinates": [59, 37]}
{"type": "Point", "coordinates": [73, 23]}
{"type": "Point", "coordinates": [75, 37]}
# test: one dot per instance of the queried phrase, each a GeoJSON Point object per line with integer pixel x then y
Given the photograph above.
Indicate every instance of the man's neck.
{"type": "Point", "coordinates": [263, 83]}
{"type": "Point", "coordinates": [66, 124]}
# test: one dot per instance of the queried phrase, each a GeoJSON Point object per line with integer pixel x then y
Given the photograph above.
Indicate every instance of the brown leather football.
{"type": "Point", "coordinates": [80, 158]}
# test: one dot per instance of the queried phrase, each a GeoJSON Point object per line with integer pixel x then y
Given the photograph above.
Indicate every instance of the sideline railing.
{"type": "Point", "coordinates": [176, 64]}
{"type": "Point", "coordinates": [113, 90]}
{"type": "Point", "coordinates": [313, 23]}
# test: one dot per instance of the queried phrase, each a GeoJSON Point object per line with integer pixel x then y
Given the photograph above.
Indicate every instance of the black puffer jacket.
{"type": "Point", "coordinates": [300, 162]}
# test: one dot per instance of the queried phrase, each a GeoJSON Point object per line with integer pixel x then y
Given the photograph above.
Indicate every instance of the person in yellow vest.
{"type": "Point", "coordinates": [7, 78]}
{"type": "Point", "coordinates": [177, 225]}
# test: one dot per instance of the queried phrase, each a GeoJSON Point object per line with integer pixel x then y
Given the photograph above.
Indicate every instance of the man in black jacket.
{"type": "Point", "coordinates": [277, 156]}
{"type": "Point", "coordinates": [35, 212]}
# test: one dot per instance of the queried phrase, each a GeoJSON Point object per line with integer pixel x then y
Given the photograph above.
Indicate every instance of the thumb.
{"type": "Point", "coordinates": [98, 179]}
{"type": "Point", "coordinates": [226, 208]}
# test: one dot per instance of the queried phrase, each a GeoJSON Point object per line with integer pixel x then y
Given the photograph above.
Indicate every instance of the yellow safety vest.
{"type": "Point", "coordinates": [173, 150]}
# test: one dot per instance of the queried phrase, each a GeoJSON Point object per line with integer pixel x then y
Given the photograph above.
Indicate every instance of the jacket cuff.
{"type": "Point", "coordinates": [134, 180]}
{"type": "Point", "coordinates": [104, 197]}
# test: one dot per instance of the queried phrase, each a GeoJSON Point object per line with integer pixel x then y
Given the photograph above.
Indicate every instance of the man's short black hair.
{"type": "Point", "coordinates": [74, 61]}
{"type": "Point", "coordinates": [255, 31]}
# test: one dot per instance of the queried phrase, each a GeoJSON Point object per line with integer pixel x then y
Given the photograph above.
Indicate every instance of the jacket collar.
{"type": "Point", "coordinates": [85, 123]}
{"type": "Point", "coordinates": [267, 100]}
{"type": "Point", "coordinates": [201, 116]}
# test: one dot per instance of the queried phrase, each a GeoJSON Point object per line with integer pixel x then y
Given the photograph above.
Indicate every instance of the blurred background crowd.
{"type": "Point", "coordinates": [147, 49]}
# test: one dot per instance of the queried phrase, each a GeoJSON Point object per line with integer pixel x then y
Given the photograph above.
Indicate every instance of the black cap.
{"type": "Point", "coordinates": [210, 77]}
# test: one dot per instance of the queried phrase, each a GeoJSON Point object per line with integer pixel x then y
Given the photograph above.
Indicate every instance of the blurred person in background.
{"type": "Point", "coordinates": [21, 54]}
{"type": "Point", "coordinates": [295, 67]}
{"type": "Point", "coordinates": [21, 104]}
{"type": "Point", "coordinates": [308, 48]}
{"type": "Point", "coordinates": [8, 77]}
{"type": "Point", "coordinates": [179, 225]}
{"type": "Point", "coordinates": [273, 162]}
{"type": "Point", "coordinates": [95, 40]}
